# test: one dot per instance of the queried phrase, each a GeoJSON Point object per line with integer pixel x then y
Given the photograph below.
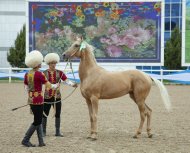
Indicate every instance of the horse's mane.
{"type": "Point", "coordinates": [90, 48]}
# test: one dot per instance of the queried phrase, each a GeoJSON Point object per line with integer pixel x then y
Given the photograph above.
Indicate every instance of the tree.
{"type": "Point", "coordinates": [16, 54]}
{"type": "Point", "coordinates": [172, 51]}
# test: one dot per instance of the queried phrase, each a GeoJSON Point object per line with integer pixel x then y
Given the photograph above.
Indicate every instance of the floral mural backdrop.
{"type": "Point", "coordinates": [119, 31]}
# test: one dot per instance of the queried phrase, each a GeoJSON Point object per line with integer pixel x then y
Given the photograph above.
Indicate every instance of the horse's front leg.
{"type": "Point", "coordinates": [94, 102]}
{"type": "Point", "coordinates": [89, 104]}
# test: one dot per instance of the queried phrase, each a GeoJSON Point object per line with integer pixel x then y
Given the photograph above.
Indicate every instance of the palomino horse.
{"type": "Point", "coordinates": [97, 83]}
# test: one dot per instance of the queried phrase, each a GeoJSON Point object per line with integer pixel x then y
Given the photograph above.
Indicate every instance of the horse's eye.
{"type": "Point", "coordinates": [76, 45]}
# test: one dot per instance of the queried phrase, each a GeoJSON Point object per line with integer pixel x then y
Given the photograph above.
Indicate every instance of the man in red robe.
{"type": "Point", "coordinates": [53, 97]}
{"type": "Point", "coordinates": [33, 81]}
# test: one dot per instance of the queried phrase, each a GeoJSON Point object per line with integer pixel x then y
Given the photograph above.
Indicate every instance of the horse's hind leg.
{"type": "Point", "coordinates": [148, 113]}
{"type": "Point", "coordinates": [141, 106]}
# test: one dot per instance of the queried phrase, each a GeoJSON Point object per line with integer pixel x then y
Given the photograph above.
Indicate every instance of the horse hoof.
{"type": "Point", "coordinates": [135, 137]}
{"type": "Point", "coordinates": [88, 137]}
{"type": "Point", "coordinates": [93, 139]}
{"type": "Point", "coordinates": [150, 135]}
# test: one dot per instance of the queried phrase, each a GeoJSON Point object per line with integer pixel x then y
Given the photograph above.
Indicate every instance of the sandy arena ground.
{"type": "Point", "coordinates": [118, 120]}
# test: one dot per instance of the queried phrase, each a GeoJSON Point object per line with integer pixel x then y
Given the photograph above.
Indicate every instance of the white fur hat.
{"type": "Point", "coordinates": [33, 59]}
{"type": "Point", "coordinates": [52, 57]}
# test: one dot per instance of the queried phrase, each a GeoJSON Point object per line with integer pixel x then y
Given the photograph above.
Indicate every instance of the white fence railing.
{"type": "Point", "coordinates": [183, 76]}
{"type": "Point", "coordinates": [11, 74]}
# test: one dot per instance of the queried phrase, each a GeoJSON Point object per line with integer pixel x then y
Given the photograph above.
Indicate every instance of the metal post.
{"type": "Point", "coordinates": [10, 71]}
{"type": "Point", "coordinates": [161, 73]}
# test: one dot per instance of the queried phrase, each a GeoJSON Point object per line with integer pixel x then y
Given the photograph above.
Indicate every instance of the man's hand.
{"type": "Point", "coordinates": [54, 86]}
{"type": "Point", "coordinates": [70, 83]}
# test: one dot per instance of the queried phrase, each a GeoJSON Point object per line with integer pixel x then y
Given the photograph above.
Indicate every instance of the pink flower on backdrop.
{"type": "Point", "coordinates": [128, 41]}
{"type": "Point", "coordinates": [139, 33]}
{"type": "Point", "coordinates": [106, 41]}
{"type": "Point", "coordinates": [112, 30]}
{"type": "Point", "coordinates": [69, 34]}
{"type": "Point", "coordinates": [57, 30]}
{"type": "Point", "coordinates": [133, 37]}
{"type": "Point", "coordinates": [115, 39]}
{"type": "Point", "coordinates": [103, 40]}
{"type": "Point", "coordinates": [60, 14]}
{"type": "Point", "coordinates": [114, 51]}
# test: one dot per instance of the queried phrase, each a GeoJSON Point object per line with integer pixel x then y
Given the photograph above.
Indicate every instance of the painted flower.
{"type": "Point", "coordinates": [114, 16]}
{"type": "Point", "coordinates": [106, 4]}
{"type": "Point", "coordinates": [89, 11]}
{"type": "Point", "coordinates": [112, 30]}
{"type": "Point", "coordinates": [69, 33]}
{"type": "Point", "coordinates": [114, 51]}
{"type": "Point", "coordinates": [100, 13]}
{"type": "Point", "coordinates": [79, 13]}
{"type": "Point", "coordinates": [85, 5]}
{"type": "Point", "coordinates": [96, 5]}
{"type": "Point", "coordinates": [139, 34]}
{"type": "Point", "coordinates": [53, 13]}
{"type": "Point", "coordinates": [114, 6]}
{"type": "Point", "coordinates": [103, 40]}
{"type": "Point", "coordinates": [91, 31]}
{"type": "Point", "coordinates": [132, 37]}
{"type": "Point", "coordinates": [33, 22]}
{"type": "Point", "coordinates": [128, 41]}
{"type": "Point", "coordinates": [79, 8]}
{"type": "Point", "coordinates": [115, 39]}
{"type": "Point", "coordinates": [57, 30]}
{"type": "Point", "coordinates": [77, 22]}
{"type": "Point", "coordinates": [73, 6]}
{"type": "Point", "coordinates": [60, 13]}
{"type": "Point", "coordinates": [106, 41]}
{"type": "Point", "coordinates": [82, 17]}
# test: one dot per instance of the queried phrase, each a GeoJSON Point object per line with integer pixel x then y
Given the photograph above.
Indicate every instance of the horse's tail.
{"type": "Point", "coordinates": [164, 93]}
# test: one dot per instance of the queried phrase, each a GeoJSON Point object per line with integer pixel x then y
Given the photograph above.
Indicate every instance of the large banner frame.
{"type": "Point", "coordinates": [186, 33]}
{"type": "Point", "coordinates": [120, 56]}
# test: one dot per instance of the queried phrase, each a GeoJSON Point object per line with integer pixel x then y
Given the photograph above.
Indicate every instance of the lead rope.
{"type": "Point", "coordinates": [74, 80]}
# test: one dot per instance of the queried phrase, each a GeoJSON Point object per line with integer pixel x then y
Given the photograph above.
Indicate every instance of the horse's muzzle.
{"type": "Point", "coordinates": [65, 57]}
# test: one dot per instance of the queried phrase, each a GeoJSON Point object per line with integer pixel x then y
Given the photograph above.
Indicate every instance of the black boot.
{"type": "Point", "coordinates": [57, 127]}
{"type": "Point", "coordinates": [44, 123]}
{"type": "Point", "coordinates": [26, 140]}
{"type": "Point", "coordinates": [40, 137]}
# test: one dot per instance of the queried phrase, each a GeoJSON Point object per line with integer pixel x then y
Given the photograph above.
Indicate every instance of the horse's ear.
{"type": "Point", "coordinates": [79, 37]}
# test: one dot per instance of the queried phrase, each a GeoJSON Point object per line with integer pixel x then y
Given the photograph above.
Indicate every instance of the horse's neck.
{"type": "Point", "coordinates": [87, 63]}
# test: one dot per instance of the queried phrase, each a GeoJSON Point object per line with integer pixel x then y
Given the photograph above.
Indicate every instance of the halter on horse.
{"type": "Point", "coordinates": [97, 83]}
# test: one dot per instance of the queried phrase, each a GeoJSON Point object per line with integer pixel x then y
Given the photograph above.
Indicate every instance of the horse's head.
{"type": "Point", "coordinates": [75, 49]}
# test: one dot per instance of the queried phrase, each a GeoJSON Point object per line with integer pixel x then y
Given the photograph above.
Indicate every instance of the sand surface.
{"type": "Point", "coordinates": [118, 120]}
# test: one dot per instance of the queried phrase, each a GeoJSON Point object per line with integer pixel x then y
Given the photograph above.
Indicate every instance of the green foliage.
{"type": "Point", "coordinates": [16, 54]}
{"type": "Point", "coordinates": [172, 51]}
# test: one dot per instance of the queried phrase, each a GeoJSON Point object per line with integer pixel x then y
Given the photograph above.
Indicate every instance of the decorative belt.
{"type": "Point", "coordinates": [52, 102]}
{"type": "Point", "coordinates": [35, 94]}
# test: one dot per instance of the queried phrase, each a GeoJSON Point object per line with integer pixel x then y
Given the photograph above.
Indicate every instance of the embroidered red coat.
{"type": "Point", "coordinates": [34, 80]}
{"type": "Point", "coordinates": [54, 77]}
